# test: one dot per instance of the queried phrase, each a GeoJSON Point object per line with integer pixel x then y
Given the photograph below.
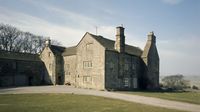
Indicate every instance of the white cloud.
{"type": "Point", "coordinates": [180, 56]}
{"type": "Point", "coordinates": [72, 17]}
{"type": "Point", "coordinates": [135, 40]}
{"type": "Point", "coordinates": [108, 31]}
{"type": "Point", "coordinates": [69, 33]}
{"type": "Point", "coordinates": [66, 34]}
{"type": "Point", "coordinates": [172, 2]}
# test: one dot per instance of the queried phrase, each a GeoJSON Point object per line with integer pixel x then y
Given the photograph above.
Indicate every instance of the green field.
{"type": "Point", "coordinates": [190, 97]}
{"type": "Point", "coordinates": [70, 103]}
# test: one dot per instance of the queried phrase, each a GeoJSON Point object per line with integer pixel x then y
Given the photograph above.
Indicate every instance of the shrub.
{"type": "Point", "coordinates": [195, 87]}
{"type": "Point", "coordinates": [175, 82]}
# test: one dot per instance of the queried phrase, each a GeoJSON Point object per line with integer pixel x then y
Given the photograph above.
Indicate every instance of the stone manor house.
{"type": "Point", "coordinates": [95, 62]}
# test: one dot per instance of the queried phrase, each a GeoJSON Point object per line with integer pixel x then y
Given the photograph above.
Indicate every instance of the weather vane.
{"type": "Point", "coordinates": [96, 27]}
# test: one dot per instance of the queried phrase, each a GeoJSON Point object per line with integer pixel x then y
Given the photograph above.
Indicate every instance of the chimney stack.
{"type": "Point", "coordinates": [151, 37]}
{"type": "Point", "coordinates": [48, 42]}
{"type": "Point", "coordinates": [120, 39]}
{"type": "Point", "coordinates": [151, 59]}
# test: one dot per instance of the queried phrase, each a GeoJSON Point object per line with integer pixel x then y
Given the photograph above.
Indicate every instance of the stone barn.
{"type": "Point", "coordinates": [95, 62]}
{"type": "Point", "coordinates": [20, 69]}
{"type": "Point", "coordinates": [99, 63]}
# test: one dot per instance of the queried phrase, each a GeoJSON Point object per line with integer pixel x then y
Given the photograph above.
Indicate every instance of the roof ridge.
{"type": "Point", "coordinates": [69, 51]}
{"type": "Point", "coordinates": [109, 45]}
{"type": "Point", "coordinates": [71, 46]}
{"type": "Point", "coordinates": [58, 46]}
{"type": "Point", "coordinates": [133, 46]}
{"type": "Point", "coordinates": [112, 40]}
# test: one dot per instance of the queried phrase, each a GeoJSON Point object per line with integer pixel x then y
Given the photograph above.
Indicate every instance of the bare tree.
{"type": "Point", "coordinates": [12, 39]}
{"type": "Point", "coordinates": [55, 42]}
{"type": "Point", "coordinates": [18, 43]}
{"type": "Point", "coordinates": [8, 35]}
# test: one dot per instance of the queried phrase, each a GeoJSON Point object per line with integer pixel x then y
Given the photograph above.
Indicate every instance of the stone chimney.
{"type": "Point", "coordinates": [151, 59]}
{"type": "Point", "coordinates": [151, 37]}
{"type": "Point", "coordinates": [120, 39]}
{"type": "Point", "coordinates": [48, 42]}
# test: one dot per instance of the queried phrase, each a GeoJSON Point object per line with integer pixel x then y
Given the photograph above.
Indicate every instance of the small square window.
{"type": "Point", "coordinates": [133, 66]}
{"type": "Point", "coordinates": [49, 54]}
{"type": "Point", "coordinates": [87, 64]}
{"type": "Point", "coordinates": [126, 82]}
{"type": "Point", "coordinates": [112, 65]}
{"type": "Point", "coordinates": [126, 66]}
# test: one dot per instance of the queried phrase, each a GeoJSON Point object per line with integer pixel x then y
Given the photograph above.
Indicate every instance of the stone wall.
{"type": "Point", "coordinates": [131, 71]}
{"type": "Point", "coordinates": [153, 68]}
{"type": "Point", "coordinates": [90, 63]}
{"type": "Point", "coordinates": [112, 80]}
{"type": "Point", "coordinates": [60, 79]}
{"type": "Point", "coordinates": [20, 72]}
{"type": "Point", "coordinates": [49, 60]}
{"type": "Point", "coordinates": [70, 63]}
{"type": "Point", "coordinates": [151, 59]}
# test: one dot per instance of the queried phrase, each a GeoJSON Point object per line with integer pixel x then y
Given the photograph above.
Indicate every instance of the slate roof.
{"type": "Point", "coordinates": [57, 49]}
{"type": "Point", "coordinates": [69, 51]}
{"type": "Point", "coordinates": [19, 56]}
{"type": "Point", "coordinates": [109, 45]}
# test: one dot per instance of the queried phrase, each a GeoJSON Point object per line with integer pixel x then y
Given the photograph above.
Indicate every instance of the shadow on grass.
{"type": "Point", "coordinates": [161, 90]}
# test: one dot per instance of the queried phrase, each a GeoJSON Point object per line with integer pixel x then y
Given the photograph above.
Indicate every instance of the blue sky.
{"type": "Point", "coordinates": [176, 23]}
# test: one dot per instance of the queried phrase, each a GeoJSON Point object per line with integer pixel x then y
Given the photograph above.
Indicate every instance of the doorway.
{"type": "Point", "coordinates": [59, 80]}
{"type": "Point", "coordinates": [30, 80]}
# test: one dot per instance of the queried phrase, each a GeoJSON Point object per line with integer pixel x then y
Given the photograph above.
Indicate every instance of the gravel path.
{"type": "Point", "coordinates": [131, 98]}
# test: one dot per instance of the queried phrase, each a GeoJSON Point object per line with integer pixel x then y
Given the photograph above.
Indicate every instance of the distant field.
{"type": "Point", "coordinates": [190, 97]}
{"type": "Point", "coordinates": [70, 103]}
{"type": "Point", "coordinates": [194, 80]}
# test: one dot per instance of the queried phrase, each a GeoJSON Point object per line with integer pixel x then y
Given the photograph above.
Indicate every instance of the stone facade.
{"type": "Point", "coordinates": [52, 58]}
{"type": "Point", "coordinates": [151, 59]}
{"type": "Point", "coordinates": [128, 78]}
{"type": "Point", "coordinates": [99, 63]}
{"type": "Point", "coordinates": [19, 69]}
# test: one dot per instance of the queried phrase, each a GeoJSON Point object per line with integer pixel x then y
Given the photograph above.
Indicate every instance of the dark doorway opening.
{"type": "Point", "coordinates": [30, 80]}
{"type": "Point", "coordinates": [59, 80]}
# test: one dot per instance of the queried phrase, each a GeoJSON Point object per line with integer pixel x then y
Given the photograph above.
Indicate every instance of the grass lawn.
{"type": "Point", "coordinates": [190, 97]}
{"type": "Point", "coordinates": [70, 103]}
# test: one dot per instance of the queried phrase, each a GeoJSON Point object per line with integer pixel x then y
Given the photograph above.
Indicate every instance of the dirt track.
{"type": "Point", "coordinates": [131, 98]}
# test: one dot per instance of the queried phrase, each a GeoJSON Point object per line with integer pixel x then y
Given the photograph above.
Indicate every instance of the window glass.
{"type": "Point", "coordinates": [87, 64]}
{"type": "Point", "coordinates": [126, 82]}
